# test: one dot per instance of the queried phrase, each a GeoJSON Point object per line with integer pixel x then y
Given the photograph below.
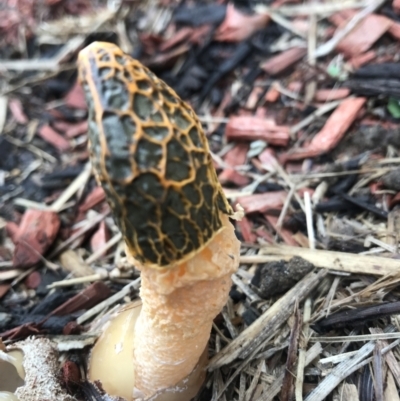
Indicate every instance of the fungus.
{"type": "Point", "coordinates": [150, 155]}
{"type": "Point", "coordinates": [29, 371]}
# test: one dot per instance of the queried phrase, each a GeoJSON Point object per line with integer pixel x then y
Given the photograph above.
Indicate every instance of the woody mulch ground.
{"type": "Point", "coordinates": [301, 106]}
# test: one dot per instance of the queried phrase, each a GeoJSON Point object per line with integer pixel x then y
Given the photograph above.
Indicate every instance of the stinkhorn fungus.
{"type": "Point", "coordinates": [150, 155]}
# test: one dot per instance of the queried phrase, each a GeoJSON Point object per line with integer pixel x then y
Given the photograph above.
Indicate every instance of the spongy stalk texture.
{"type": "Point", "coordinates": [174, 326]}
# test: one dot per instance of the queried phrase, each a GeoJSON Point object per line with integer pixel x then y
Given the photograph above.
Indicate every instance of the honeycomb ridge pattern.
{"type": "Point", "coordinates": [151, 156]}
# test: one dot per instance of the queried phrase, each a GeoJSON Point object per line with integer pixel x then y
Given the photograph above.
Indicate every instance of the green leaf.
{"type": "Point", "coordinates": [394, 107]}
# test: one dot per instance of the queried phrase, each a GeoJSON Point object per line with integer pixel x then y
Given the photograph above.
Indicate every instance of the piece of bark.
{"type": "Point", "coordinates": [394, 30]}
{"type": "Point", "coordinates": [33, 280]}
{"type": "Point", "coordinates": [100, 238]}
{"type": "Point", "coordinates": [75, 98]}
{"type": "Point", "coordinates": [12, 231]}
{"type": "Point", "coordinates": [364, 35]}
{"type": "Point", "coordinates": [285, 234]}
{"type": "Point", "coordinates": [52, 137]}
{"type": "Point", "coordinates": [251, 128]}
{"type": "Point", "coordinates": [246, 230]}
{"type": "Point", "coordinates": [36, 233]}
{"type": "Point", "coordinates": [17, 111]}
{"type": "Point", "coordinates": [396, 6]}
{"type": "Point", "coordinates": [71, 130]}
{"type": "Point", "coordinates": [341, 261]}
{"type": "Point", "coordinates": [328, 95]}
{"type": "Point", "coordinates": [178, 38]}
{"type": "Point", "coordinates": [362, 59]}
{"type": "Point", "coordinates": [237, 26]}
{"type": "Point", "coordinates": [84, 300]}
{"type": "Point", "coordinates": [287, 391]}
{"type": "Point", "coordinates": [272, 94]}
{"type": "Point", "coordinates": [235, 157]}
{"type": "Point", "coordinates": [333, 131]}
{"type": "Point", "coordinates": [262, 202]}
{"type": "Point", "coordinates": [268, 159]}
{"type": "Point", "coordinates": [94, 198]}
{"type": "Point", "coordinates": [284, 60]}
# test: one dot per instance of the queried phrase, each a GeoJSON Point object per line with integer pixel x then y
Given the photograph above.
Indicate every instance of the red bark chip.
{"type": "Point", "coordinates": [75, 98]}
{"type": "Point", "coordinates": [36, 233]}
{"type": "Point", "coordinates": [262, 202]}
{"type": "Point", "coordinates": [52, 137]}
{"type": "Point", "coordinates": [252, 128]}
{"type": "Point", "coordinates": [279, 63]}
{"type": "Point", "coordinates": [17, 111]}
{"type": "Point", "coordinates": [237, 26]}
{"type": "Point", "coordinates": [364, 35]}
{"type": "Point", "coordinates": [247, 230]}
{"type": "Point", "coordinates": [328, 95]}
{"type": "Point", "coordinates": [100, 238]}
{"type": "Point", "coordinates": [332, 132]}
{"type": "Point", "coordinates": [235, 157]}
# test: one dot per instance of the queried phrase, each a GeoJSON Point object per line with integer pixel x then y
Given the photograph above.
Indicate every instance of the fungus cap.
{"type": "Point", "coordinates": [151, 156]}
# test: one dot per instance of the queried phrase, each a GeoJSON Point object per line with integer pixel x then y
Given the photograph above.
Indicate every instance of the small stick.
{"type": "Point", "coordinates": [254, 335]}
{"type": "Point", "coordinates": [134, 285]}
{"type": "Point", "coordinates": [109, 244]}
{"type": "Point", "coordinates": [341, 261]}
{"type": "Point", "coordinates": [309, 219]}
{"type": "Point", "coordinates": [78, 183]}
